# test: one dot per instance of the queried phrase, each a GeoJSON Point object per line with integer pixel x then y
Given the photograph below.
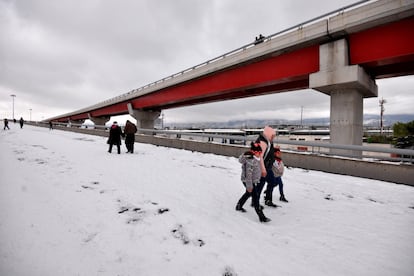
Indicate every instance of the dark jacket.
{"type": "Point", "coordinates": [130, 130]}
{"type": "Point", "coordinates": [269, 155]}
{"type": "Point", "coordinates": [115, 135]}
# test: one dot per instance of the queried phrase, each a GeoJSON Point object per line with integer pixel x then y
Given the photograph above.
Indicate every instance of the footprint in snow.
{"type": "Point", "coordinates": [229, 271]}
{"type": "Point", "coordinates": [328, 197]}
{"type": "Point", "coordinates": [136, 214]}
{"type": "Point", "coordinates": [179, 233]}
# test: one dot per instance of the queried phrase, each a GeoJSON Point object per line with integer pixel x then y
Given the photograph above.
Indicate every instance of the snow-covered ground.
{"type": "Point", "coordinates": [68, 207]}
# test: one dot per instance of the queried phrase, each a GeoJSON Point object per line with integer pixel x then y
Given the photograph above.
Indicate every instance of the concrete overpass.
{"type": "Point", "coordinates": [340, 54]}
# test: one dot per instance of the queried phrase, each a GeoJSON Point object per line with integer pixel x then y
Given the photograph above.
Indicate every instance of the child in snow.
{"type": "Point", "coordinates": [278, 168]}
{"type": "Point", "coordinates": [250, 176]}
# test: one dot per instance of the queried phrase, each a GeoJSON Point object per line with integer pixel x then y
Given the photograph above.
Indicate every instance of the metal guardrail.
{"type": "Point", "coordinates": [309, 147]}
{"type": "Point", "coordinates": [404, 155]}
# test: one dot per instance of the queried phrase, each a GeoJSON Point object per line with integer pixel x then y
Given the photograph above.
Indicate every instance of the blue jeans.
{"type": "Point", "coordinates": [269, 190]}
{"type": "Point", "coordinates": [270, 179]}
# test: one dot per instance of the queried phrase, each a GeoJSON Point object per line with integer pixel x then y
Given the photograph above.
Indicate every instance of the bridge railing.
{"type": "Point", "coordinates": [306, 147]}
{"type": "Point", "coordinates": [310, 147]}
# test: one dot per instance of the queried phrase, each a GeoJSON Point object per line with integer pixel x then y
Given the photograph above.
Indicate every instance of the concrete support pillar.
{"type": "Point", "coordinates": [346, 120]}
{"type": "Point", "coordinates": [347, 85]}
{"type": "Point", "coordinates": [145, 119]}
{"type": "Point", "coordinates": [100, 121]}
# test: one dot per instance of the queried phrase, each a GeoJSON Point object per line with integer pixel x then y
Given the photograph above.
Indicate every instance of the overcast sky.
{"type": "Point", "coordinates": [63, 55]}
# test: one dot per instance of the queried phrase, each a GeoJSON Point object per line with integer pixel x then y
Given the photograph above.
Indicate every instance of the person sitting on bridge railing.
{"type": "Point", "coordinates": [259, 39]}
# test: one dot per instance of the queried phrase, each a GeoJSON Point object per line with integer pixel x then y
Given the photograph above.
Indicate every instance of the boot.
{"type": "Point", "coordinates": [262, 217]}
{"type": "Point", "coordinates": [282, 198]}
{"type": "Point", "coordinates": [240, 208]}
{"type": "Point", "coordinates": [268, 200]}
{"type": "Point", "coordinates": [271, 204]}
{"type": "Point", "coordinates": [260, 206]}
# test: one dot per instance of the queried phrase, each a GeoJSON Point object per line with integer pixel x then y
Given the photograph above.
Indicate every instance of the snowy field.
{"type": "Point", "coordinates": [68, 207]}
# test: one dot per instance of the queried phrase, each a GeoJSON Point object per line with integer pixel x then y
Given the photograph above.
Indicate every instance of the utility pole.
{"type": "Point", "coordinates": [381, 104]}
{"type": "Point", "coordinates": [30, 114]}
{"type": "Point", "coordinates": [13, 96]}
{"type": "Point", "coordinates": [301, 116]}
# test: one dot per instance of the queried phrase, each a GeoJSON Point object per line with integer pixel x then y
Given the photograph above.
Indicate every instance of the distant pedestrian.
{"type": "Point", "coordinates": [250, 178]}
{"type": "Point", "coordinates": [21, 121]}
{"type": "Point", "coordinates": [130, 130]}
{"type": "Point", "coordinates": [278, 169]}
{"type": "Point", "coordinates": [6, 124]}
{"type": "Point", "coordinates": [50, 125]}
{"type": "Point", "coordinates": [115, 133]}
{"type": "Point", "coordinates": [259, 39]}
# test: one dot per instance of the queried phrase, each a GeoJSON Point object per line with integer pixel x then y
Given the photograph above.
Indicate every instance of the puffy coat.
{"type": "Point", "coordinates": [251, 172]}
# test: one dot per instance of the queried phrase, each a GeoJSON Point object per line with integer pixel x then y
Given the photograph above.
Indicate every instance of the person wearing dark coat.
{"type": "Point", "coordinates": [115, 134]}
{"type": "Point", "coordinates": [130, 130]}
{"type": "Point", "coordinates": [6, 124]}
{"type": "Point", "coordinates": [21, 121]}
{"type": "Point", "coordinates": [266, 162]}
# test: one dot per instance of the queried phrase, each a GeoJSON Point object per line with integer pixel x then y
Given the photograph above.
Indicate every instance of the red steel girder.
{"type": "Point", "coordinates": [232, 83]}
{"type": "Point", "coordinates": [386, 50]}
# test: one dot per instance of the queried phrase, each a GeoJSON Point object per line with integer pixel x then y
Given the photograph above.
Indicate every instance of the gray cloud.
{"type": "Point", "coordinates": [58, 56]}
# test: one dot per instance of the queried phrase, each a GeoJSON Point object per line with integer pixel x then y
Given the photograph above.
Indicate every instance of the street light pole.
{"type": "Point", "coordinates": [13, 96]}
{"type": "Point", "coordinates": [30, 114]}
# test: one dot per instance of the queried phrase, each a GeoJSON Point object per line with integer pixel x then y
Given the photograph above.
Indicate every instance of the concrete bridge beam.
{"type": "Point", "coordinates": [101, 121]}
{"type": "Point", "coordinates": [347, 86]}
{"type": "Point", "coordinates": [145, 119]}
{"type": "Point", "coordinates": [79, 122]}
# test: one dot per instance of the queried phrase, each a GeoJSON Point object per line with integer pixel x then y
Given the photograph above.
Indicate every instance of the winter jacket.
{"type": "Point", "coordinates": [251, 172]}
{"type": "Point", "coordinates": [268, 151]}
{"type": "Point", "coordinates": [130, 128]}
{"type": "Point", "coordinates": [115, 135]}
{"type": "Point", "coordinates": [278, 167]}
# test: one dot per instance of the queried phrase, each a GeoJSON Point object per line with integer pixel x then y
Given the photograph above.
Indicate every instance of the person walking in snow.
{"type": "Point", "coordinates": [115, 134]}
{"type": "Point", "coordinates": [278, 169]}
{"type": "Point", "coordinates": [250, 178]}
{"type": "Point", "coordinates": [267, 159]}
{"type": "Point", "coordinates": [130, 130]}
{"type": "Point", "coordinates": [6, 124]}
{"type": "Point", "coordinates": [21, 121]}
